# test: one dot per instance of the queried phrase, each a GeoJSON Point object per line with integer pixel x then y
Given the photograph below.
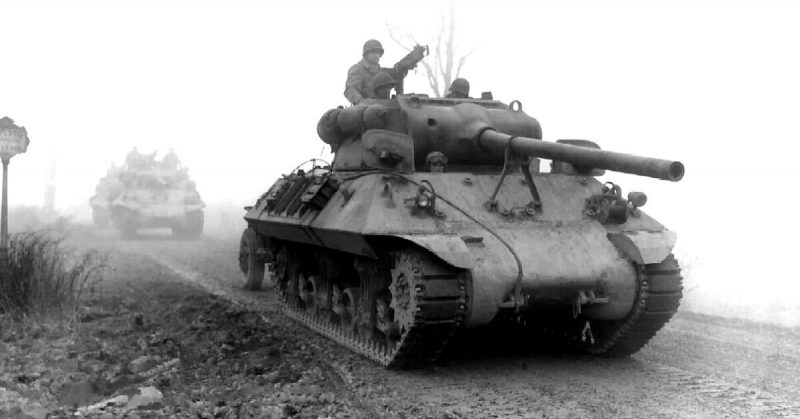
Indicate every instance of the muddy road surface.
{"type": "Point", "coordinates": [697, 366]}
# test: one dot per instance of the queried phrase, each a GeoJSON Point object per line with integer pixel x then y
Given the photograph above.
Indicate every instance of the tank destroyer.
{"type": "Point", "coordinates": [389, 258]}
{"type": "Point", "coordinates": [145, 193]}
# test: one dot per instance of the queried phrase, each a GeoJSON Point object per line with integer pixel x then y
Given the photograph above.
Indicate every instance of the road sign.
{"type": "Point", "coordinates": [13, 139]}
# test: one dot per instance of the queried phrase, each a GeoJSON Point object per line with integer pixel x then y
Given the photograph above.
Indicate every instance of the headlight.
{"type": "Point", "coordinates": [423, 201]}
{"type": "Point", "coordinates": [637, 199]}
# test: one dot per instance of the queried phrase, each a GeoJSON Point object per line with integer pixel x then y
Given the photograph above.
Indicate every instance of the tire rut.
{"type": "Point", "coordinates": [262, 304]}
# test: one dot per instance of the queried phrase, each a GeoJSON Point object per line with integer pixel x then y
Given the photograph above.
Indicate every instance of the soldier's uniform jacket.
{"type": "Point", "coordinates": [359, 81]}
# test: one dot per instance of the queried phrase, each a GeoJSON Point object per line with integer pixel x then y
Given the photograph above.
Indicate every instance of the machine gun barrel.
{"type": "Point", "coordinates": [583, 156]}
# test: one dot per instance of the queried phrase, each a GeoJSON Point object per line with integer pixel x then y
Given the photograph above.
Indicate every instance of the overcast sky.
{"type": "Point", "coordinates": [238, 87]}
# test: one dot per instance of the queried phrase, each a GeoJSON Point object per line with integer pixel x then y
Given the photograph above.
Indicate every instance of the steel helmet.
{"type": "Point", "coordinates": [460, 86]}
{"type": "Point", "coordinates": [436, 156]}
{"type": "Point", "coordinates": [383, 79]}
{"type": "Point", "coordinates": [372, 45]}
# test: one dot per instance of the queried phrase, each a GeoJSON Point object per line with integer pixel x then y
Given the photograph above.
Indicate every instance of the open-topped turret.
{"type": "Point", "coordinates": [470, 132]}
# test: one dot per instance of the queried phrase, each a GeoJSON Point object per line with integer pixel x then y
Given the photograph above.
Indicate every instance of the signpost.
{"type": "Point", "coordinates": [13, 140]}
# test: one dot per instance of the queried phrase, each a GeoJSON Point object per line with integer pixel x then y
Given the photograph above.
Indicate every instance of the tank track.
{"type": "Point", "coordinates": [658, 297]}
{"type": "Point", "coordinates": [440, 300]}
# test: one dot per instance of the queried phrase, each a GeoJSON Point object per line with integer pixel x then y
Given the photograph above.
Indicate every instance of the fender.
{"type": "Point", "coordinates": [644, 247]}
{"type": "Point", "coordinates": [450, 249]}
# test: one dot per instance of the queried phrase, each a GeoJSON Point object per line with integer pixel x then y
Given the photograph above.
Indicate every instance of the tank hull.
{"type": "Point", "coordinates": [185, 221]}
{"type": "Point", "coordinates": [562, 252]}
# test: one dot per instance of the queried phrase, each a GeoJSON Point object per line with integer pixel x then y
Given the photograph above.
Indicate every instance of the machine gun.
{"type": "Point", "coordinates": [407, 63]}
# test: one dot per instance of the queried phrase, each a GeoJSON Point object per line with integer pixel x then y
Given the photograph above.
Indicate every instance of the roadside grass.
{"type": "Point", "coordinates": [41, 281]}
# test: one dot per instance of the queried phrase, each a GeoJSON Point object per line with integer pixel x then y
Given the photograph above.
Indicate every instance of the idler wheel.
{"type": "Point", "coordinates": [251, 265]}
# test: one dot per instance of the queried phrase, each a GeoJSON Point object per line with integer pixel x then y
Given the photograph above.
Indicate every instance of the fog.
{"type": "Point", "coordinates": [236, 88]}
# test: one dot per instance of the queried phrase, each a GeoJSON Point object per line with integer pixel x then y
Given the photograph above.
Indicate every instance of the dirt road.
{"type": "Point", "coordinates": [171, 333]}
{"type": "Point", "coordinates": [698, 366]}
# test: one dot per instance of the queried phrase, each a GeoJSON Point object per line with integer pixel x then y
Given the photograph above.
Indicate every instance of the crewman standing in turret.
{"type": "Point", "coordinates": [359, 77]}
{"type": "Point", "coordinates": [361, 74]}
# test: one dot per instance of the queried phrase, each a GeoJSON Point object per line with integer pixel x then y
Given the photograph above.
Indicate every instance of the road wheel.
{"type": "Point", "coordinates": [399, 310]}
{"type": "Point", "coordinates": [251, 265]}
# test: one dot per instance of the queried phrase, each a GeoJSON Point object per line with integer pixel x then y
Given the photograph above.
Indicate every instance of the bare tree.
{"type": "Point", "coordinates": [445, 68]}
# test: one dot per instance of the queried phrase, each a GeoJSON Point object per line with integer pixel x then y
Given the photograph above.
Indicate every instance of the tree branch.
{"type": "Point", "coordinates": [451, 34]}
{"type": "Point", "coordinates": [439, 49]}
{"type": "Point", "coordinates": [462, 60]}
{"type": "Point", "coordinates": [394, 38]}
{"type": "Point", "coordinates": [439, 69]}
{"type": "Point", "coordinates": [432, 80]}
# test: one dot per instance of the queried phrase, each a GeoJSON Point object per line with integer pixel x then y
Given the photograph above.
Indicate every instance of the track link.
{"type": "Point", "coordinates": [439, 295]}
{"type": "Point", "coordinates": [657, 300]}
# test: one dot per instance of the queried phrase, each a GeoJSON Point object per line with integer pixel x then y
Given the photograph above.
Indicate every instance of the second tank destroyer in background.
{"type": "Point", "coordinates": [147, 193]}
{"type": "Point", "coordinates": [382, 255]}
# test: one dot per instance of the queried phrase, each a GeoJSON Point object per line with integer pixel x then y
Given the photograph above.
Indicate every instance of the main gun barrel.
{"type": "Point", "coordinates": [583, 156]}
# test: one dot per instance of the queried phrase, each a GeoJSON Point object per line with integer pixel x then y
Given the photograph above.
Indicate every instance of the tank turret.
{"type": "Point", "coordinates": [475, 132]}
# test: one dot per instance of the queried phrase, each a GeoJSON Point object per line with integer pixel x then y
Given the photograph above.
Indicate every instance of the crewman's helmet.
{"type": "Point", "coordinates": [372, 45]}
{"type": "Point", "coordinates": [437, 157]}
{"type": "Point", "coordinates": [383, 79]}
{"type": "Point", "coordinates": [460, 86]}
